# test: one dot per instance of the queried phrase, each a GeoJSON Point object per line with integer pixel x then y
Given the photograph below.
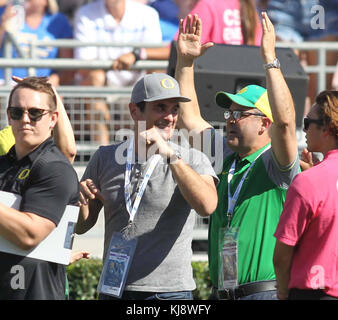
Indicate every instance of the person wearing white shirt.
{"type": "Point", "coordinates": [113, 21]}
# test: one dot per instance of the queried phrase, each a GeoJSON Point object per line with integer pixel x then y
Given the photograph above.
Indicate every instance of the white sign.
{"type": "Point", "coordinates": [56, 247]}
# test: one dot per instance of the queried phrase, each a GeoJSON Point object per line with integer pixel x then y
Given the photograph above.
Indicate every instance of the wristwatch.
{"type": "Point", "coordinates": [175, 157]}
{"type": "Point", "coordinates": [137, 53]}
{"type": "Point", "coordinates": [274, 64]}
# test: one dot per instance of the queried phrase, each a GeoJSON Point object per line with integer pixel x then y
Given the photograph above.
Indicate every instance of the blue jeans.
{"type": "Point", "coordinates": [142, 295]}
{"type": "Point", "coordinates": [263, 295]}
{"type": "Point", "coordinates": [266, 295]}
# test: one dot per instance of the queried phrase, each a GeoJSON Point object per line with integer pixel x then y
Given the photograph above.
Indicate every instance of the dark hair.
{"type": "Point", "coordinates": [249, 21]}
{"type": "Point", "coordinates": [39, 84]}
{"type": "Point", "coordinates": [327, 101]}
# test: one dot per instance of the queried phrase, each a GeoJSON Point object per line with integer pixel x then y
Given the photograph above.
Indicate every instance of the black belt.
{"type": "Point", "coordinates": [245, 289]}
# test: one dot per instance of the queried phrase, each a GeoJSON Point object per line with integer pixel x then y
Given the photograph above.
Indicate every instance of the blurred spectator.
{"type": "Point", "coordinates": [168, 11]}
{"type": "Point", "coordinates": [184, 7]}
{"type": "Point", "coordinates": [330, 33]}
{"type": "Point", "coordinates": [261, 5]}
{"type": "Point", "coordinates": [42, 22]}
{"type": "Point", "coordinates": [227, 22]}
{"type": "Point", "coordinates": [113, 21]}
{"type": "Point", "coordinates": [69, 7]}
{"type": "Point", "coordinates": [311, 20]}
{"type": "Point", "coordinates": [293, 21]}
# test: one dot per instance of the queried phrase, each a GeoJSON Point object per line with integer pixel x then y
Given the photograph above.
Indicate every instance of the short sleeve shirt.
{"type": "Point", "coordinates": [163, 223]}
{"type": "Point", "coordinates": [222, 22]}
{"type": "Point", "coordinates": [309, 223]}
{"type": "Point", "coordinates": [52, 26]}
{"type": "Point", "coordinates": [7, 139]}
{"type": "Point", "coordinates": [93, 22]}
{"type": "Point", "coordinates": [47, 183]}
{"type": "Point", "coordinates": [256, 212]}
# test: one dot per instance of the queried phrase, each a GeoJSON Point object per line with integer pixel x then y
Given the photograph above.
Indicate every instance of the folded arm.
{"type": "Point", "coordinates": [198, 190]}
{"type": "Point", "coordinates": [24, 229]}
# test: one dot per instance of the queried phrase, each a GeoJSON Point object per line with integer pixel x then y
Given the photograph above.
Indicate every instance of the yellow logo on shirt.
{"type": "Point", "coordinates": [24, 174]}
{"type": "Point", "coordinates": [167, 83]}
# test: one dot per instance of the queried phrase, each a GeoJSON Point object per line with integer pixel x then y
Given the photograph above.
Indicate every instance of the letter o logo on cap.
{"type": "Point", "coordinates": [243, 90]}
{"type": "Point", "coordinates": [167, 83]}
{"type": "Point", "coordinates": [24, 174]}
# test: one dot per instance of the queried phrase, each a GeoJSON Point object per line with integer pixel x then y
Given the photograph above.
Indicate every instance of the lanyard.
{"type": "Point", "coordinates": [132, 209]}
{"type": "Point", "coordinates": [233, 199]}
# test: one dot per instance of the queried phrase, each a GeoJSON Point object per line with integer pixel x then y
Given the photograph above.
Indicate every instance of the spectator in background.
{"type": "Point", "coordinates": [228, 22]}
{"type": "Point", "coordinates": [293, 21]}
{"type": "Point", "coordinates": [261, 5]}
{"type": "Point", "coordinates": [113, 21]}
{"type": "Point", "coordinates": [306, 253]}
{"type": "Point", "coordinates": [69, 7]}
{"type": "Point", "coordinates": [330, 33]}
{"type": "Point", "coordinates": [311, 20]}
{"type": "Point", "coordinates": [168, 12]}
{"type": "Point", "coordinates": [42, 22]}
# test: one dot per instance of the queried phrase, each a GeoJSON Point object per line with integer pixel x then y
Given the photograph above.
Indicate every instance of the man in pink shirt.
{"type": "Point", "coordinates": [306, 252]}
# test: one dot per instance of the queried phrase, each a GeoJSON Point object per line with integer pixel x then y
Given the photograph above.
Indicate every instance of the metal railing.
{"type": "Point", "coordinates": [31, 61]}
{"type": "Point", "coordinates": [77, 98]}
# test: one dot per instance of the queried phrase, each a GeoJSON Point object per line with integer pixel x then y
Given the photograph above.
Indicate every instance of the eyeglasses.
{"type": "Point", "coordinates": [34, 114]}
{"type": "Point", "coordinates": [240, 114]}
{"type": "Point", "coordinates": [308, 121]}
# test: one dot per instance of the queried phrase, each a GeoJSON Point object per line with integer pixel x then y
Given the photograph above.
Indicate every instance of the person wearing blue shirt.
{"type": "Point", "coordinates": [168, 12]}
{"type": "Point", "coordinates": [41, 23]}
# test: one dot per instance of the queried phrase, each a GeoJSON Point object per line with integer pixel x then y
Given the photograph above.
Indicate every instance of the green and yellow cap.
{"type": "Point", "coordinates": [251, 96]}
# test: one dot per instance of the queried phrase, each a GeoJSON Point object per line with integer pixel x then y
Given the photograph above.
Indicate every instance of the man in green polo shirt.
{"type": "Point", "coordinates": [259, 161]}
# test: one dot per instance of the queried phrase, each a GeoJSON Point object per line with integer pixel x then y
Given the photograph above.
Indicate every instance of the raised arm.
{"type": "Point", "coordinates": [283, 131]}
{"type": "Point", "coordinates": [188, 49]}
{"type": "Point", "coordinates": [63, 132]}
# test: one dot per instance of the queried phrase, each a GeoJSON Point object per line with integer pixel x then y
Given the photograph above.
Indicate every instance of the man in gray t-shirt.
{"type": "Point", "coordinates": [179, 179]}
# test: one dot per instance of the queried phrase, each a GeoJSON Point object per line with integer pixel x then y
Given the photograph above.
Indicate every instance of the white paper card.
{"type": "Point", "coordinates": [56, 247]}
